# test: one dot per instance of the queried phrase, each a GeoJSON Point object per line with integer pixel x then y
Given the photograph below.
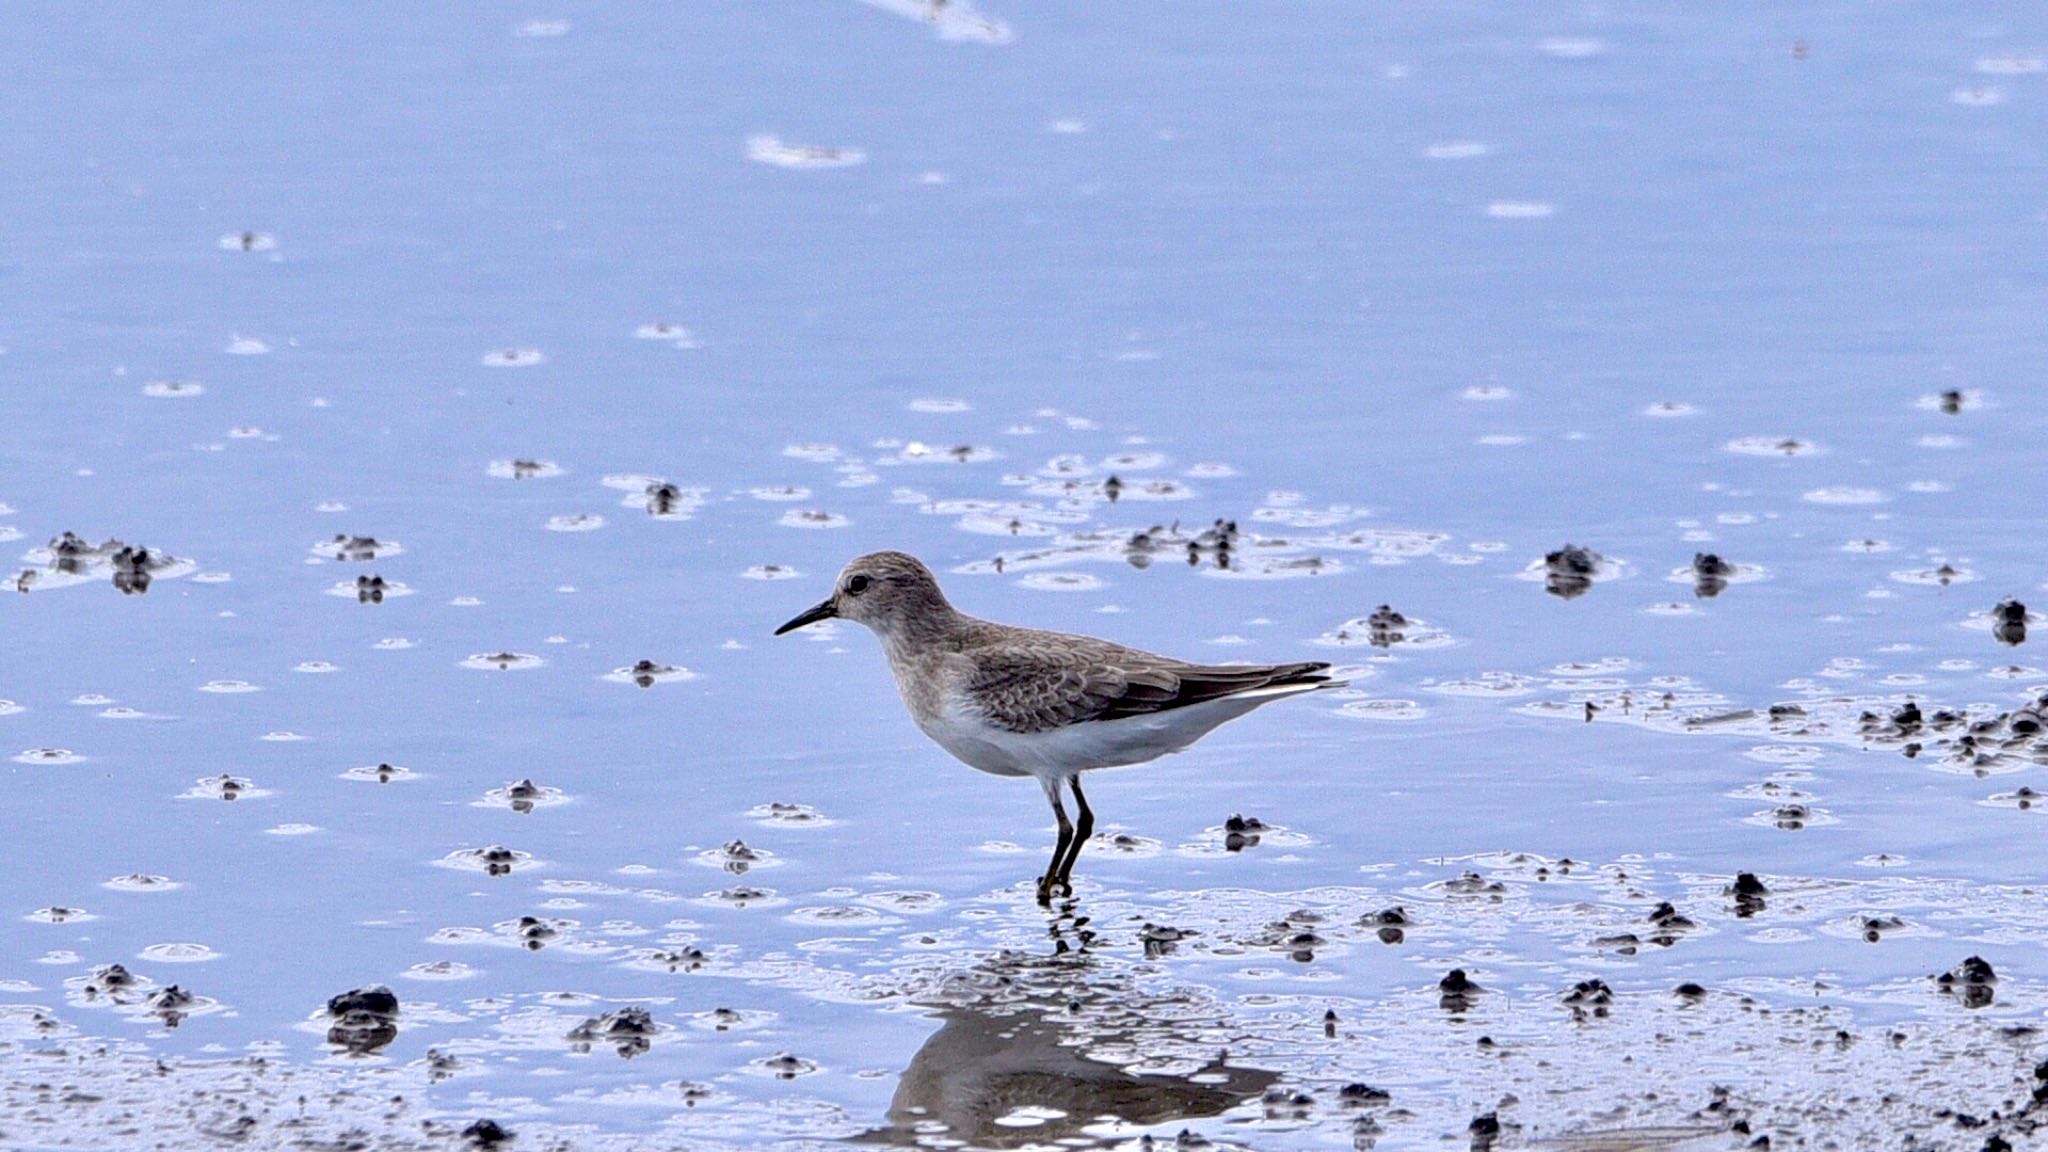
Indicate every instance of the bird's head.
{"type": "Point", "coordinates": [890, 592]}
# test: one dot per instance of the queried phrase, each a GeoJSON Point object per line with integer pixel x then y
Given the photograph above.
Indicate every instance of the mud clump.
{"type": "Point", "coordinates": [1218, 542]}
{"type": "Point", "coordinates": [1670, 924]}
{"type": "Point", "coordinates": [663, 498]}
{"type": "Point", "coordinates": [687, 958]}
{"type": "Point", "coordinates": [132, 567]}
{"type": "Point", "coordinates": [1972, 981]}
{"type": "Point", "coordinates": [1385, 627]}
{"type": "Point", "coordinates": [788, 1067]}
{"type": "Point", "coordinates": [1389, 924]}
{"type": "Point", "coordinates": [1456, 992]}
{"type": "Point", "coordinates": [110, 979]}
{"type": "Point", "coordinates": [1242, 832]}
{"type": "Point", "coordinates": [486, 1134]}
{"type": "Point", "coordinates": [1710, 575]}
{"type": "Point", "coordinates": [365, 1019]}
{"type": "Point", "coordinates": [1749, 893]}
{"type": "Point", "coordinates": [345, 547]}
{"type": "Point", "coordinates": [2009, 622]}
{"type": "Point", "coordinates": [534, 932]}
{"type": "Point", "coordinates": [171, 1005]}
{"type": "Point", "coordinates": [1473, 884]}
{"type": "Point", "coordinates": [1360, 1095]}
{"type": "Point", "coordinates": [1161, 939]}
{"type": "Point", "coordinates": [1589, 997]}
{"type": "Point", "coordinates": [1485, 1130]}
{"type": "Point", "coordinates": [521, 794]}
{"type": "Point", "coordinates": [1568, 572]}
{"type": "Point", "coordinates": [1287, 1105]}
{"type": "Point", "coordinates": [735, 857]}
{"type": "Point", "coordinates": [630, 1032]}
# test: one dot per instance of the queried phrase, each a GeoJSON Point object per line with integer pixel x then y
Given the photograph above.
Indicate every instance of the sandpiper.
{"type": "Point", "coordinates": [1049, 705]}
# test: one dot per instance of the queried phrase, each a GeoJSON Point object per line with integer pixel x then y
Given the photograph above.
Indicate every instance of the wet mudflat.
{"type": "Point", "coordinates": [400, 495]}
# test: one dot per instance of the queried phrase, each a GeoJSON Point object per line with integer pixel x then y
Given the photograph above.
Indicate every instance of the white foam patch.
{"type": "Point", "coordinates": [767, 149]}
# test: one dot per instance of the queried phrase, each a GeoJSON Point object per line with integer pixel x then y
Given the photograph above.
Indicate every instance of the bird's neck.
{"type": "Point", "coordinates": [937, 628]}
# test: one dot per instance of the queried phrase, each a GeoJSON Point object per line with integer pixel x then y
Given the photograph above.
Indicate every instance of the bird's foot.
{"type": "Point", "coordinates": [1051, 886]}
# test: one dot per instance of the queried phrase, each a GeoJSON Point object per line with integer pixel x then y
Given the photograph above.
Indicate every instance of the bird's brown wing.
{"type": "Point", "coordinates": [1034, 687]}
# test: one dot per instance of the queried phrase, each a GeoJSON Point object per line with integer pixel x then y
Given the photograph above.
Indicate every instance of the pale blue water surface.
{"type": "Point", "coordinates": [1414, 296]}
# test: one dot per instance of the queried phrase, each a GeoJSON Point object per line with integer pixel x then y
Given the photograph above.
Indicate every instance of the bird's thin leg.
{"type": "Point", "coordinates": [1084, 827]}
{"type": "Point", "coordinates": [1059, 851]}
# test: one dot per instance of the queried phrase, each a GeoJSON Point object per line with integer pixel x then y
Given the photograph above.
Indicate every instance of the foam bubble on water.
{"type": "Point", "coordinates": [247, 242]}
{"type": "Point", "coordinates": [1670, 408]}
{"type": "Point", "coordinates": [179, 953]}
{"type": "Point", "coordinates": [939, 404]}
{"type": "Point", "coordinates": [1772, 446]}
{"type": "Point", "coordinates": [954, 20]}
{"type": "Point", "coordinates": [647, 673]}
{"type": "Point", "coordinates": [771, 572]}
{"type": "Point", "coordinates": [513, 357]}
{"type": "Point", "coordinates": [1456, 150]}
{"type": "Point", "coordinates": [1943, 575]}
{"type": "Point", "coordinates": [1977, 96]}
{"type": "Point", "coordinates": [1571, 47]}
{"type": "Point", "coordinates": [523, 469]}
{"type": "Point", "coordinates": [674, 334]}
{"type": "Point", "coordinates": [439, 970]}
{"type": "Point", "coordinates": [1520, 209]}
{"type": "Point", "coordinates": [780, 492]}
{"type": "Point", "coordinates": [2010, 65]}
{"type": "Point", "coordinates": [542, 29]}
{"type": "Point", "coordinates": [246, 346]}
{"type": "Point", "coordinates": [379, 773]}
{"type": "Point", "coordinates": [769, 149]}
{"type": "Point", "coordinates": [142, 882]}
{"type": "Point", "coordinates": [503, 662]}
{"type": "Point", "coordinates": [1383, 709]}
{"type": "Point", "coordinates": [1060, 582]}
{"type": "Point", "coordinates": [1485, 392]}
{"type": "Point", "coordinates": [816, 453]}
{"type": "Point", "coordinates": [812, 518]}
{"type": "Point", "coordinates": [173, 389]}
{"type": "Point", "coordinates": [49, 756]}
{"type": "Point", "coordinates": [577, 522]}
{"type": "Point", "coordinates": [229, 687]}
{"type": "Point", "coordinates": [1844, 494]}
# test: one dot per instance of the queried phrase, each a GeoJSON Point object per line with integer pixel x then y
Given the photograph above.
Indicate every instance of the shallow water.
{"type": "Point", "coordinates": [487, 387]}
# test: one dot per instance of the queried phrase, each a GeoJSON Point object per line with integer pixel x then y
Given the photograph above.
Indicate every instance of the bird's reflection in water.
{"type": "Point", "coordinates": [1034, 1051]}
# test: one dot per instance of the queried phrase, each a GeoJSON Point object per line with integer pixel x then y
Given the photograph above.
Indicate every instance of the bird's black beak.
{"type": "Point", "coordinates": [824, 611]}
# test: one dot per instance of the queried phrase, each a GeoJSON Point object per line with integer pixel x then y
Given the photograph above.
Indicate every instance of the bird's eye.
{"type": "Point", "coordinates": [857, 584]}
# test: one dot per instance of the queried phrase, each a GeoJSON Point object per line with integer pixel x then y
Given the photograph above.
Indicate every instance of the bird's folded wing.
{"type": "Point", "coordinates": [1026, 688]}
